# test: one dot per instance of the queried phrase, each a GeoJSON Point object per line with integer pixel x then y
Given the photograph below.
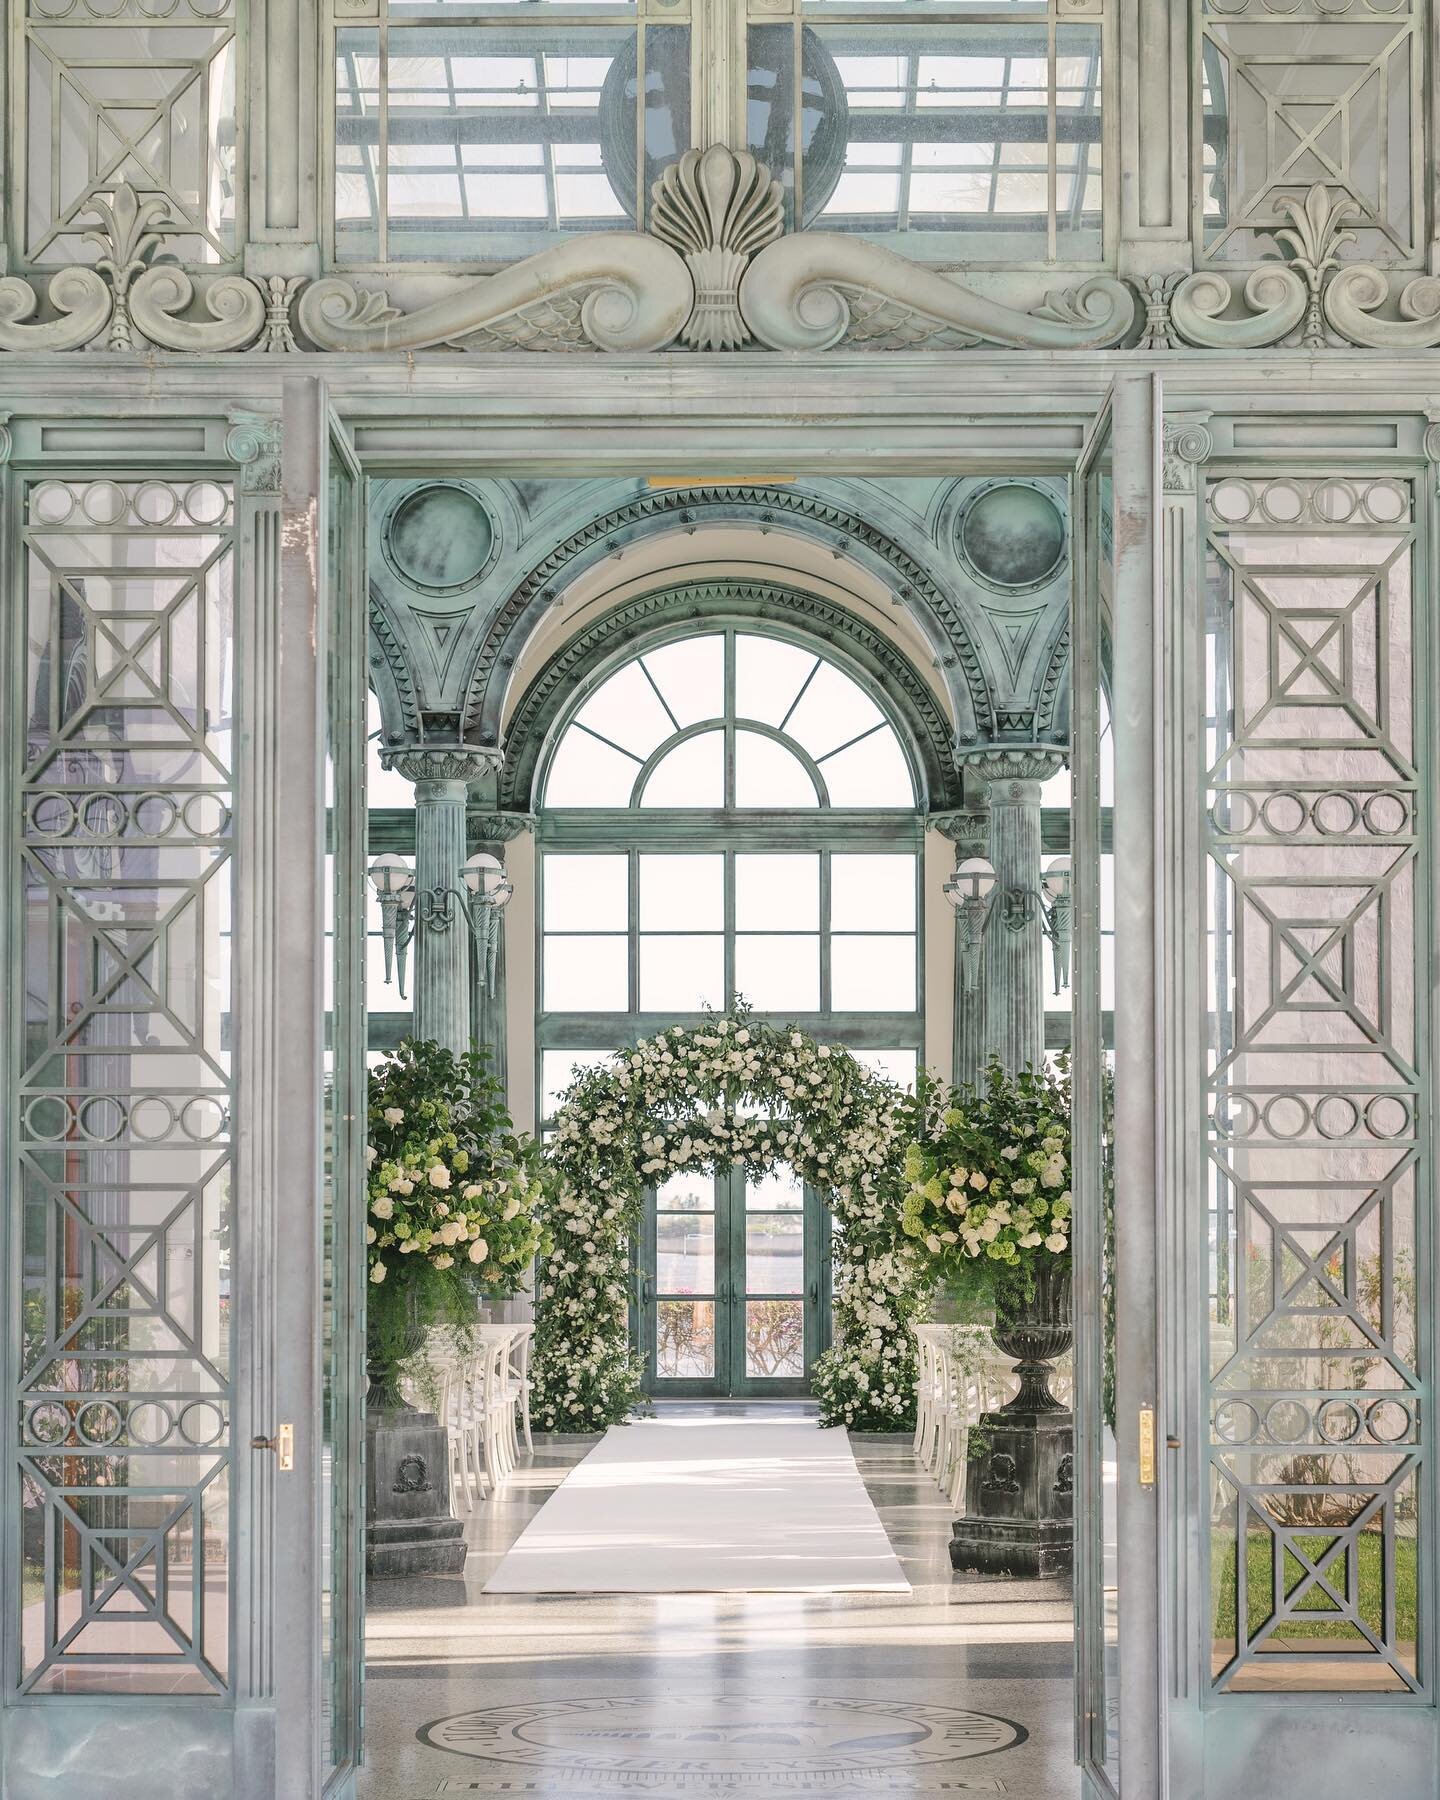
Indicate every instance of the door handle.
{"type": "Point", "coordinates": [814, 1293]}
{"type": "Point", "coordinates": [283, 1444]}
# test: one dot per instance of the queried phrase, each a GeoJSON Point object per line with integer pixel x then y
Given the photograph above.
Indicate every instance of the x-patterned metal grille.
{"type": "Point", "coordinates": [1294, 92]}
{"type": "Point", "coordinates": [122, 1410]}
{"type": "Point", "coordinates": [132, 91]}
{"type": "Point", "coordinates": [1317, 1148]}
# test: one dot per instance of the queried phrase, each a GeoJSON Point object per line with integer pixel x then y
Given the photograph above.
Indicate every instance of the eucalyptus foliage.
{"type": "Point", "coordinates": [733, 1092]}
{"type": "Point", "coordinates": [451, 1190]}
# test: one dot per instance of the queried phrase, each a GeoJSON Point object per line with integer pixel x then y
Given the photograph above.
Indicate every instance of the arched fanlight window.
{"type": "Point", "coordinates": [729, 721]}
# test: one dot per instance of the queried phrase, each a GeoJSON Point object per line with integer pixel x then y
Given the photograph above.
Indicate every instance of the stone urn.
{"type": "Point", "coordinates": [1019, 1479]}
{"type": "Point", "coordinates": [408, 1527]}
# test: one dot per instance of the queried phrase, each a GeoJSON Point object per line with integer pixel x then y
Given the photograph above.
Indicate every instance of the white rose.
{"type": "Point", "coordinates": [1030, 1240]}
{"type": "Point", "coordinates": [370, 1234]}
{"type": "Point", "coordinates": [442, 1262]}
{"type": "Point", "coordinates": [377, 1273]}
{"type": "Point", "coordinates": [400, 1185]}
{"type": "Point", "coordinates": [439, 1176]}
{"type": "Point", "coordinates": [393, 1115]}
{"type": "Point", "coordinates": [371, 1153]}
{"type": "Point", "coordinates": [472, 1192]}
{"type": "Point", "coordinates": [978, 1181]}
{"type": "Point", "coordinates": [1056, 1241]}
{"type": "Point", "coordinates": [383, 1208]}
{"type": "Point", "coordinates": [512, 1206]}
{"type": "Point", "coordinates": [990, 1230]}
{"type": "Point", "coordinates": [479, 1250]}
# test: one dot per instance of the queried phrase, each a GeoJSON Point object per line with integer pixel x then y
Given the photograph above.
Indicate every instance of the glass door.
{"type": "Point", "coordinates": [732, 1285]}
{"type": "Point", "coordinates": [1119, 1462]}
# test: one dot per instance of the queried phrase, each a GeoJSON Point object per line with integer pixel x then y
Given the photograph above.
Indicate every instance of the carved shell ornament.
{"type": "Point", "coordinates": [717, 207]}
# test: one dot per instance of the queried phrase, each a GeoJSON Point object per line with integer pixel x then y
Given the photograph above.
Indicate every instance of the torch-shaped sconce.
{"type": "Point", "coordinates": [479, 902]}
{"type": "Point", "coordinates": [1058, 916]}
{"type": "Point", "coordinates": [487, 894]}
{"type": "Point", "coordinates": [971, 890]}
{"type": "Point", "coordinates": [394, 882]}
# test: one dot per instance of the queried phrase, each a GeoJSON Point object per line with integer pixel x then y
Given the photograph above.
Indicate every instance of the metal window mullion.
{"type": "Point", "coordinates": [797, 115]}
{"type": "Point", "coordinates": [382, 146]}
{"type": "Point", "coordinates": [632, 860]}
{"type": "Point", "coordinates": [640, 50]}
{"type": "Point", "coordinates": [1051, 137]}
{"type": "Point", "coordinates": [825, 997]}
{"type": "Point", "coordinates": [729, 928]}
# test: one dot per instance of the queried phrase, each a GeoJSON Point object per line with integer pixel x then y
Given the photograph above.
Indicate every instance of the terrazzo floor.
{"type": "Point", "coordinates": [960, 1687]}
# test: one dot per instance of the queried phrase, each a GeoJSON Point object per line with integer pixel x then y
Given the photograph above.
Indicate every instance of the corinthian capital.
{"type": "Point", "coordinates": [441, 762]}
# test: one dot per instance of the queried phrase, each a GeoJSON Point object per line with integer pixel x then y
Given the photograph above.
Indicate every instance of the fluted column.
{"type": "Point", "coordinates": [970, 834]}
{"type": "Point", "coordinates": [441, 948]}
{"type": "Point", "coordinates": [493, 832]}
{"type": "Point", "coordinates": [1014, 1027]}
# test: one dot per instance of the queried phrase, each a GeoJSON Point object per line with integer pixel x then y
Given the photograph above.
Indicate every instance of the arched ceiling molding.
{"type": "Point", "coordinates": [590, 655]}
{"type": "Point", "coordinates": [390, 675]}
{"type": "Point", "coordinates": [781, 508]}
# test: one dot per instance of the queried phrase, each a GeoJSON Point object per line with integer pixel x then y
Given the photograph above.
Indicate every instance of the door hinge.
{"type": "Point", "coordinates": [1147, 1446]}
{"type": "Point", "coordinates": [283, 1444]}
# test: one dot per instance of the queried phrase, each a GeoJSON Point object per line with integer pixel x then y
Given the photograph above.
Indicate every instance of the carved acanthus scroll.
{"type": "Point", "coordinates": [818, 289]}
{"type": "Point", "coordinates": [603, 291]}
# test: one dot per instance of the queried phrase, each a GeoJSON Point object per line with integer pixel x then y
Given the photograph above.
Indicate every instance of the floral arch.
{"type": "Point", "coordinates": [732, 1092]}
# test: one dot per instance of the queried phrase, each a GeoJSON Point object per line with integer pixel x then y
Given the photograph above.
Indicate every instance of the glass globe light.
{"type": "Point", "coordinates": [389, 874]}
{"type": "Point", "coordinates": [973, 879]}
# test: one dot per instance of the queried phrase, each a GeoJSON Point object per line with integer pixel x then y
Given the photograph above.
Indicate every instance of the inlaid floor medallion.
{"type": "Point", "coordinates": [726, 1745]}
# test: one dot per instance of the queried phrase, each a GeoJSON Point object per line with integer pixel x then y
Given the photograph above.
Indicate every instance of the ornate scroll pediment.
{"type": "Point", "coordinates": [603, 291]}
{"type": "Point", "coordinates": [818, 289]}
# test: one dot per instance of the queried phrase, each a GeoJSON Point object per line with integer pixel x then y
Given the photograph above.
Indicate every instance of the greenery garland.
{"type": "Point", "coordinates": [733, 1092]}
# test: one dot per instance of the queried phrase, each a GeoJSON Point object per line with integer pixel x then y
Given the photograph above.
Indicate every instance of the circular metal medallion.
{"type": "Point", "coordinates": [439, 538]}
{"type": "Point", "coordinates": [1012, 536]}
{"type": "Point", "coordinates": [722, 1744]}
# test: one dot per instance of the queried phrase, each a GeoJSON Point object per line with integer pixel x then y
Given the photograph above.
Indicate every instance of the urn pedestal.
{"type": "Point", "coordinates": [1019, 1482]}
{"type": "Point", "coordinates": [408, 1527]}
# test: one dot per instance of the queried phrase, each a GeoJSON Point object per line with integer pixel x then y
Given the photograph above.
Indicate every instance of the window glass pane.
{"type": "Point", "coordinates": [778, 974]}
{"type": "Point", "coordinates": [586, 893]}
{"type": "Point", "coordinates": [871, 773]}
{"type": "Point", "coordinates": [872, 974]}
{"type": "Point", "coordinates": [768, 677]}
{"type": "Point", "coordinates": [685, 1340]}
{"type": "Point", "coordinates": [383, 787]}
{"type": "Point", "coordinates": [586, 974]}
{"type": "Point", "coordinates": [832, 710]}
{"type": "Point", "coordinates": [775, 1253]}
{"type": "Point", "coordinates": [586, 772]}
{"type": "Point", "coordinates": [357, 148]}
{"type": "Point", "coordinates": [690, 1192]}
{"type": "Point", "coordinates": [499, 140]}
{"type": "Point", "coordinates": [777, 893]}
{"type": "Point", "coordinates": [779, 1191]}
{"type": "Point", "coordinates": [682, 893]}
{"type": "Point", "coordinates": [872, 893]}
{"type": "Point", "coordinates": [775, 1339]}
{"type": "Point", "coordinates": [558, 1069]}
{"type": "Point", "coordinates": [898, 1066]}
{"type": "Point", "coordinates": [684, 1252]}
{"type": "Point", "coordinates": [682, 974]}
{"type": "Point", "coordinates": [627, 710]}
{"type": "Point", "coordinates": [692, 774]}
{"type": "Point", "coordinates": [691, 676]}
{"type": "Point", "coordinates": [767, 774]}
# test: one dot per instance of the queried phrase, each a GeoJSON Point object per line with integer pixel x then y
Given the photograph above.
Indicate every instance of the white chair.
{"type": "Point", "coordinates": [520, 1351]}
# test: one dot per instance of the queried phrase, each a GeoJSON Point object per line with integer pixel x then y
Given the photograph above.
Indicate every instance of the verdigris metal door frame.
{"type": "Point", "coordinates": [729, 1296]}
{"type": "Point", "coordinates": [1126, 430]}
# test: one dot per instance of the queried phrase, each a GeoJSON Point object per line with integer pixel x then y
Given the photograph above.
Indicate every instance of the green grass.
{"type": "Point", "coordinates": [1315, 1604]}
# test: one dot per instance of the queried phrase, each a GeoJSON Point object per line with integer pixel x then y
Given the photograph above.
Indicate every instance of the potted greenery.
{"type": "Point", "coordinates": [989, 1205]}
{"type": "Point", "coordinates": [451, 1189]}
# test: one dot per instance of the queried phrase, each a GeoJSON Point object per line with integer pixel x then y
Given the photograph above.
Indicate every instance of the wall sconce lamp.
{"type": "Point", "coordinates": [479, 902]}
{"type": "Point", "coordinates": [971, 891]}
{"type": "Point", "coordinates": [394, 882]}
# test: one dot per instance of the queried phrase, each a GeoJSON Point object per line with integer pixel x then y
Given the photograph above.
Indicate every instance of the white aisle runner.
{"type": "Point", "coordinates": [701, 1505]}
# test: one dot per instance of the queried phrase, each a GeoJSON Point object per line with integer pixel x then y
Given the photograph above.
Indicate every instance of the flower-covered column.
{"type": "Point", "coordinates": [1014, 938]}
{"type": "Point", "coordinates": [442, 937]}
